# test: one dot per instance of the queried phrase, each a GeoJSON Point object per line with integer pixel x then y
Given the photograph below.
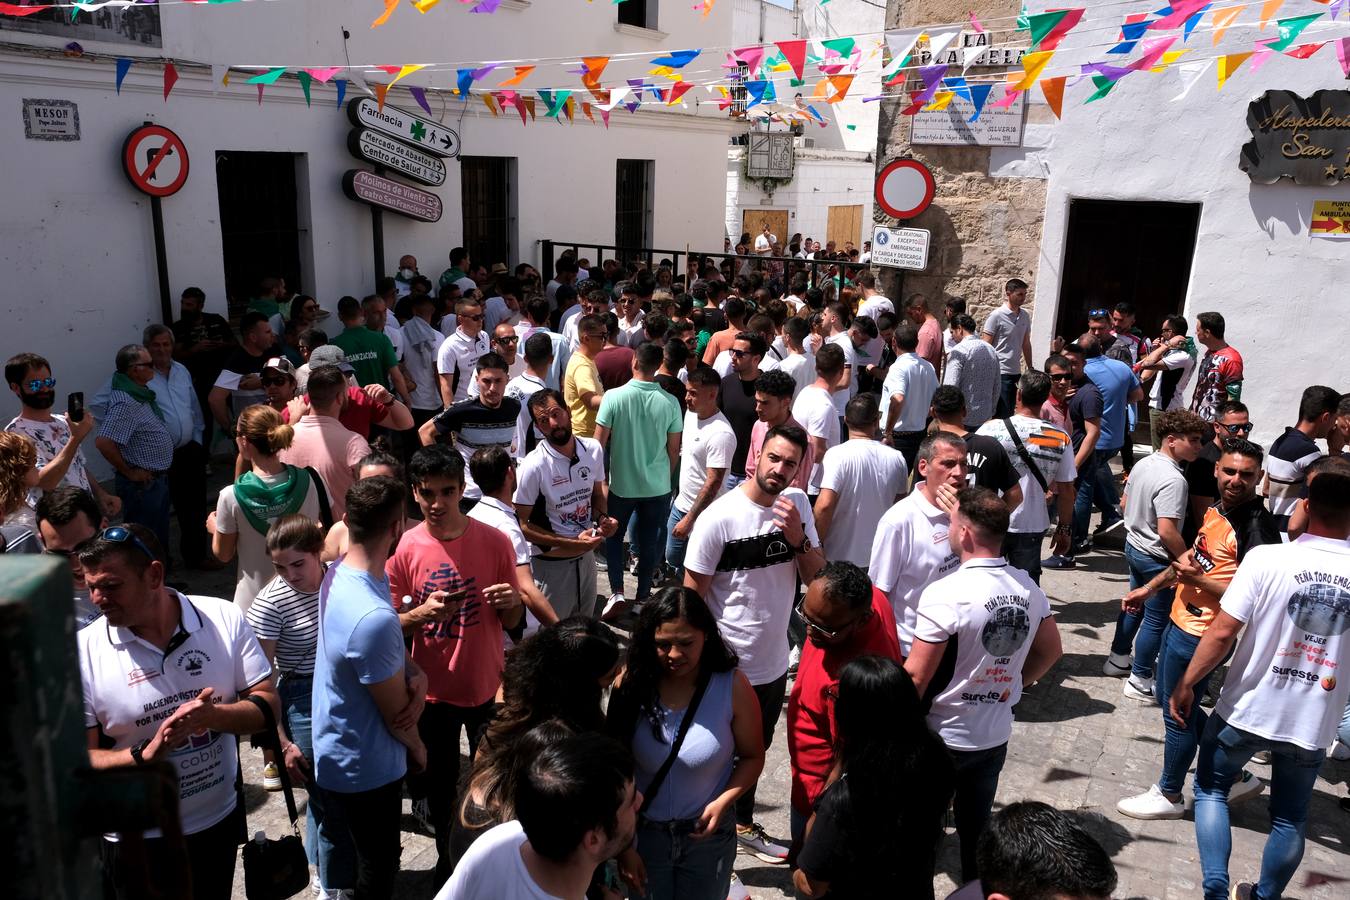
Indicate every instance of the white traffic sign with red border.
{"type": "Point", "coordinates": [904, 188]}
{"type": "Point", "coordinates": [156, 160]}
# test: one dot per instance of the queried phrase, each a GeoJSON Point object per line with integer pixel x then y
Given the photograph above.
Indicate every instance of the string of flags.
{"type": "Point", "coordinates": [772, 79]}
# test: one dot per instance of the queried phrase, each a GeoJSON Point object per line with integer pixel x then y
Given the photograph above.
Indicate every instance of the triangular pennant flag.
{"type": "Point", "coordinates": [756, 90]}
{"type": "Point", "coordinates": [969, 55]}
{"type": "Point", "coordinates": [958, 86]}
{"type": "Point", "coordinates": [481, 73]}
{"type": "Point", "coordinates": [1190, 73]}
{"type": "Point", "coordinates": [486, 7]}
{"type": "Point", "coordinates": [405, 70]}
{"type": "Point", "coordinates": [841, 84]}
{"type": "Point", "coordinates": [586, 111]}
{"type": "Point", "coordinates": [1104, 86]}
{"type": "Point", "coordinates": [14, 9]}
{"type": "Point", "coordinates": [556, 102]}
{"type": "Point", "coordinates": [939, 41]}
{"type": "Point", "coordinates": [529, 106]}
{"type": "Point", "coordinates": [1336, 7]}
{"type": "Point", "coordinates": [389, 7]}
{"type": "Point", "coordinates": [941, 101]}
{"type": "Point", "coordinates": [1130, 33]}
{"type": "Point", "coordinates": [604, 114]}
{"type": "Point", "coordinates": [520, 108]}
{"type": "Point", "coordinates": [1048, 29]}
{"type": "Point", "coordinates": [220, 75]}
{"type": "Point", "coordinates": [170, 79]}
{"type": "Point", "coordinates": [388, 70]}
{"type": "Point", "coordinates": [341, 84]}
{"type": "Point", "coordinates": [491, 103]}
{"type": "Point", "coordinates": [901, 44]}
{"type": "Point", "coordinates": [521, 73]}
{"type": "Point", "coordinates": [1343, 55]}
{"type": "Point", "coordinates": [1261, 55]}
{"type": "Point", "coordinates": [680, 88]}
{"type": "Point", "coordinates": [123, 63]}
{"type": "Point", "coordinates": [975, 24]}
{"type": "Point", "coordinates": [322, 75]}
{"type": "Point", "coordinates": [616, 96]}
{"type": "Point", "coordinates": [595, 67]}
{"type": "Point", "coordinates": [424, 5]}
{"type": "Point", "coordinates": [463, 82]}
{"type": "Point", "coordinates": [1291, 28]}
{"type": "Point", "coordinates": [1009, 97]}
{"type": "Point", "coordinates": [1168, 58]}
{"type": "Point", "coordinates": [1153, 51]}
{"type": "Point", "coordinates": [1229, 64]}
{"type": "Point", "coordinates": [420, 95]}
{"type": "Point", "coordinates": [261, 87]}
{"type": "Point", "coordinates": [795, 54]}
{"type": "Point", "coordinates": [1268, 10]}
{"type": "Point", "coordinates": [1223, 19]}
{"type": "Point", "coordinates": [1108, 72]}
{"type": "Point", "coordinates": [569, 107]}
{"type": "Point", "coordinates": [380, 91]}
{"type": "Point", "coordinates": [269, 77]}
{"type": "Point", "coordinates": [1180, 11]}
{"type": "Point", "coordinates": [1303, 51]}
{"type": "Point", "coordinates": [1194, 21]}
{"type": "Point", "coordinates": [1053, 89]}
{"type": "Point", "coordinates": [304, 78]}
{"type": "Point", "coordinates": [677, 60]}
{"type": "Point", "coordinates": [979, 95]}
{"type": "Point", "coordinates": [752, 57]}
{"type": "Point", "coordinates": [1033, 64]}
{"type": "Point", "coordinates": [841, 45]}
{"type": "Point", "coordinates": [932, 79]}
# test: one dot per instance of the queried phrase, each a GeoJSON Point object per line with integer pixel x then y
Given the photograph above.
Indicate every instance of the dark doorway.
{"type": "Point", "coordinates": [633, 205]}
{"type": "Point", "coordinates": [259, 222]}
{"type": "Point", "coordinates": [638, 13]}
{"type": "Point", "coordinates": [485, 188]}
{"type": "Point", "coordinates": [1138, 252]}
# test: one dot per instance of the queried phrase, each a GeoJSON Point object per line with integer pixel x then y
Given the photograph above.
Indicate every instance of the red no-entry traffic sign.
{"type": "Point", "coordinates": [156, 160]}
{"type": "Point", "coordinates": [904, 188]}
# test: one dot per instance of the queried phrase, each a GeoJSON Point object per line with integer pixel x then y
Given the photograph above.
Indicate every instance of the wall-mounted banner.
{"type": "Point", "coordinates": [51, 120]}
{"type": "Point", "coordinates": [425, 133]}
{"type": "Point", "coordinates": [396, 155]}
{"type": "Point", "coordinates": [1330, 219]}
{"type": "Point", "coordinates": [1306, 139]}
{"type": "Point", "coordinates": [367, 187]}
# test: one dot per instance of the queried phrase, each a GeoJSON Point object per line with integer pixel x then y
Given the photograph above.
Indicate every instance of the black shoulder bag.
{"type": "Point", "coordinates": [325, 508]}
{"type": "Point", "coordinates": [275, 870]}
{"type": "Point", "coordinates": [660, 777]}
{"type": "Point", "coordinates": [1026, 456]}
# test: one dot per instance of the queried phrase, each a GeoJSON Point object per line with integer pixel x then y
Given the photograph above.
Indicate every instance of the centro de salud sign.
{"type": "Point", "coordinates": [396, 155]}
{"type": "Point", "coordinates": [1305, 139]}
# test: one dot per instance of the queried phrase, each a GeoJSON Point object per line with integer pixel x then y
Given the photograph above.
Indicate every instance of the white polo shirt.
{"type": "Point", "coordinates": [131, 686]}
{"type": "Point", "coordinates": [459, 353]}
{"type": "Point", "coordinates": [910, 552]}
{"type": "Point", "coordinates": [499, 515]}
{"type": "Point", "coordinates": [564, 485]}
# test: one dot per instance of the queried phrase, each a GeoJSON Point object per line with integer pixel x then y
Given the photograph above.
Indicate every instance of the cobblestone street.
{"type": "Point", "coordinates": [1078, 744]}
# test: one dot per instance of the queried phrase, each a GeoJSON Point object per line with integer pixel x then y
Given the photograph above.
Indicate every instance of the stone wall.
{"type": "Point", "coordinates": [985, 228]}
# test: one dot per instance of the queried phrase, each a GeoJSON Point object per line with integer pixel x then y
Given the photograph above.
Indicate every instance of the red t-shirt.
{"type": "Point", "coordinates": [462, 656]}
{"type": "Point", "coordinates": [810, 712]}
{"type": "Point", "coordinates": [358, 415]}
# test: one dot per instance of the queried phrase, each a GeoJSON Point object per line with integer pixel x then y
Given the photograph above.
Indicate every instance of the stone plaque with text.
{"type": "Point", "coordinates": [1306, 139]}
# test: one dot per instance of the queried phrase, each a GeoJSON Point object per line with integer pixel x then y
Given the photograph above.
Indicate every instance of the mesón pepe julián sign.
{"type": "Point", "coordinates": [1303, 138]}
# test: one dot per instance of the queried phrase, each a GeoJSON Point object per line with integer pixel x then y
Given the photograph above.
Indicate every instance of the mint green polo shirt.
{"type": "Point", "coordinates": [639, 416]}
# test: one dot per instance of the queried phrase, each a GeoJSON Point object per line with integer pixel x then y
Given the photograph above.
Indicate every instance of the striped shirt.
{"type": "Point", "coordinates": [475, 426]}
{"type": "Point", "coordinates": [1286, 468]}
{"type": "Point", "coordinates": [291, 618]}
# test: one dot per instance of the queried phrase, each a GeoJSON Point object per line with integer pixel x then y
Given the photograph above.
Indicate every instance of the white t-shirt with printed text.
{"type": "Point", "coordinates": [563, 484]}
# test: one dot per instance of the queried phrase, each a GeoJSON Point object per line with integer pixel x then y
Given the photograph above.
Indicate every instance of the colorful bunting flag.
{"type": "Point", "coordinates": [405, 70]}
{"type": "Point", "coordinates": [1343, 55]}
{"type": "Point", "coordinates": [677, 60]}
{"type": "Point", "coordinates": [322, 75]}
{"type": "Point", "coordinates": [975, 25]}
{"type": "Point", "coordinates": [261, 87]}
{"type": "Point", "coordinates": [841, 45]}
{"type": "Point", "coordinates": [1303, 51]}
{"type": "Point", "coordinates": [463, 82]}
{"type": "Point", "coordinates": [389, 7]}
{"type": "Point", "coordinates": [1229, 64]}
{"type": "Point", "coordinates": [1168, 58]}
{"type": "Point", "coordinates": [757, 90]}
{"type": "Point", "coordinates": [1048, 29]}
{"type": "Point", "coordinates": [521, 73]}
{"type": "Point", "coordinates": [304, 78]}
{"type": "Point", "coordinates": [381, 90]}
{"type": "Point", "coordinates": [1010, 96]}
{"type": "Point", "coordinates": [1131, 30]}
{"type": "Point", "coordinates": [1223, 20]}
{"type": "Point", "coordinates": [14, 9]}
{"type": "Point", "coordinates": [795, 54]}
{"type": "Point", "coordinates": [220, 75]}
{"type": "Point", "coordinates": [170, 79]}
{"type": "Point", "coordinates": [420, 95]}
{"type": "Point", "coordinates": [841, 84]}
{"type": "Point", "coordinates": [595, 67]}
{"type": "Point", "coordinates": [958, 86]}
{"type": "Point", "coordinates": [269, 77]}
{"type": "Point", "coordinates": [941, 101]}
{"type": "Point", "coordinates": [1268, 10]}
{"type": "Point", "coordinates": [680, 88]}
{"type": "Point", "coordinates": [932, 79]}
{"type": "Point", "coordinates": [1053, 90]}
{"type": "Point", "coordinates": [752, 57]}
{"type": "Point", "coordinates": [1179, 12]}
{"type": "Point", "coordinates": [979, 95]}
{"type": "Point", "coordinates": [123, 64]}
{"type": "Point", "coordinates": [1190, 74]}
{"type": "Point", "coordinates": [1153, 51]}
{"type": "Point", "coordinates": [1261, 55]}
{"type": "Point", "coordinates": [424, 5]}
{"type": "Point", "coordinates": [341, 84]}
{"type": "Point", "coordinates": [901, 44]}
{"type": "Point", "coordinates": [1104, 86]}
{"type": "Point", "coordinates": [486, 7]}
{"type": "Point", "coordinates": [1033, 64]}
{"type": "Point", "coordinates": [1194, 21]}
{"type": "Point", "coordinates": [939, 41]}
{"type": "Point", "coordinates": [529, 106]}
{"type": "Point", "coordinates": [491, 104]}
{"type": "Point", "coordinates": [1291, 28]}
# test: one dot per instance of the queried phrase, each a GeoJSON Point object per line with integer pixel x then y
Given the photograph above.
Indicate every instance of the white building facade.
{"type": "Point", "coordinates": [264, 191]}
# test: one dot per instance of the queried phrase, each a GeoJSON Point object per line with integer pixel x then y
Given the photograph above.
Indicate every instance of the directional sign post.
{"type": "Point", "coordinates": [383, 150]}
{"type": "Point", "coordinates": [385, 193]}
{"type": "Point", "coordinates": [428, 134]}
{"type": "Point", "coordinates": [156, 161]}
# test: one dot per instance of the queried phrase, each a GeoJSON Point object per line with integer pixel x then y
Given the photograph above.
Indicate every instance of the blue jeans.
{"type": "Point", "coordinates": [1007, 395]}
{"type": "Point", "coordinates": [675, 546]}
{"type": "Point", "coordinates": [328, 848]}
{"type": "Point", "coordinates": [977, 774]}
{"type": "Point", "coordinates": [1143, 631]}
{"type": "Point", "coordinates": [1174, 656]}
{"type": "Point", "coordinates": [146, 503]}
{"type": "Point", "coordinates": [1095, 485]}
{"type": "Point", "coordinates": [1023, 551]}
{"type": "Point", "coordinates": [683, 867]}
{"type": "Point", "coordinates": [1224, 750]}
{"type": "Point", "coordinates": [651, 514]}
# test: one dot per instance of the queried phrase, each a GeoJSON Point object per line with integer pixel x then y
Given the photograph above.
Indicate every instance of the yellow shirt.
{"type": "Point", "coordinates": [582, 377]}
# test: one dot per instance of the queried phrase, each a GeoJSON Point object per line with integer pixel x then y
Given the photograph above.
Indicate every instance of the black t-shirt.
{"type": "Point", "coordinates": [714, 320]}
{"type": "Point", "coordinates": [862, 866]}
{"type": "Point", "coordinates": [672, 386]}
{"type": "Point", "coordinates": [1086, 403]}
{"type": "Point", "coordinates": [204, 367]}
{"type": "Point", "coordinates": [988, 464]}
{"type": "Point", "coordinates": [1200, 482]}
{"type": "Point", "coordinates": [737, 402]}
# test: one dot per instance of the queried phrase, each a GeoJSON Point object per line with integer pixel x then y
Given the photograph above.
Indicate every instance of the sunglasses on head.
{"type": "Point", "coordinates": [120, 534]}
{"type": "Point", "coordinates": [1239, 428]}
{"type": "Point", "coordinates": [1099, 312]}
{"type": "Point", "coordinates": [39, 384]}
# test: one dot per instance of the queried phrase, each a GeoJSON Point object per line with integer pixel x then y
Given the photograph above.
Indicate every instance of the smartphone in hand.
{"type": "Point", "coordinates": [75, 406]}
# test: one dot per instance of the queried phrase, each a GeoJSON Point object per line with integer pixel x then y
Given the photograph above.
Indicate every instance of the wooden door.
{"type": "Point", "coordinates": [752, 220]}
{"type": "Point", "coordinates": [844, 224]}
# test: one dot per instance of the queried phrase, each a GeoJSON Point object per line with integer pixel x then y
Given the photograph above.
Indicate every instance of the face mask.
{"type": "Point", "coordinates": [406, 274]}
{"type": "Point", "coordinates": [42, 400]}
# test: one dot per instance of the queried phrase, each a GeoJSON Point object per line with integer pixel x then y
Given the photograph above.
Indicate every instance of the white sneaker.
{"type": "Point", "coordinates": [1246, 787]}
{"type": "Point", "coordinates": [756, 842]}
{"type": "Point", "coordinates": [614, 607]}
{"type": "Point", "coordinates": [1152, 804]}
{"type": "Point", "coordinates": [1117, 665]}
{"type": "Point", "coordinates": [1140, 689]}
{"type": "Point", "coordinates": [1339, 750]}
{"type": "Point", "coordinates": [737, 889]}
{"type": "Point", "coordinates": [794, 660]}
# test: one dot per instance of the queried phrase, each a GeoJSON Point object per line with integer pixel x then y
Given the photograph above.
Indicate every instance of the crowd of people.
{"type": "Point", "coordinates": [803, 501]}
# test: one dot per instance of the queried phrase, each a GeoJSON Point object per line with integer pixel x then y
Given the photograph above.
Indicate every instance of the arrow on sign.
{"type": "Point", "coordinates": [1331, 224]}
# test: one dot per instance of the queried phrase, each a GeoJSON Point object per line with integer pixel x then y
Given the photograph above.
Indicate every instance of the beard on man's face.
{"type": "Point", "coordinates": [40, 400]}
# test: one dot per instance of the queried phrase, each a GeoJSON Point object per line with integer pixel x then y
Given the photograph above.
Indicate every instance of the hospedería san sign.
{"type": "Point", "coordinates": [1303, 138]}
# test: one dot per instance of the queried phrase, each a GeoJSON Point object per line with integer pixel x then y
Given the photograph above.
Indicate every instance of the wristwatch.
{"type": "Point", "coordinates": [804, 546]}
{"type": "Point", "coordinates": [137, 750]}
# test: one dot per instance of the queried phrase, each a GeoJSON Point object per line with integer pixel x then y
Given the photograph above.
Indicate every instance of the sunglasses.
{"type": "Point", "coordinates": [1065, 377]}
{"type": "Point", "coordinates": [825, 632]}
{"type": "Point", "coordinates": [470, 318]}
{"type": "Point", "coordinates": [40, 384]}
{"type": "Point", "coordinates": [275, 382]}
{"type": "Point", "coordinates": [1239, 428]}
{"type": "Point", "coordinates": [508, 340]}
{"type": "Point", "coordinates": [120, 534]}
{"type": "Point", "coordinates": [1099, 312]}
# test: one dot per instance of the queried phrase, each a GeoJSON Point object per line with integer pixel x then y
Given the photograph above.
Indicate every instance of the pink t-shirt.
{"type": "Point", "coordinates": [757, 432]}
{"type": "Point", "coordinates": [332, 450]}
{"type": "Point", "coordinates": [930, 342]}
{"type": "Point", "coordinates": [462, 656]}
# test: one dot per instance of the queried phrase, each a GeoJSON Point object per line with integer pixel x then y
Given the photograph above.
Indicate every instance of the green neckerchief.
{"type": "Point", "coordinates": [262, 503]}
{"type": "Point", "coordinates": [139, 393]}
